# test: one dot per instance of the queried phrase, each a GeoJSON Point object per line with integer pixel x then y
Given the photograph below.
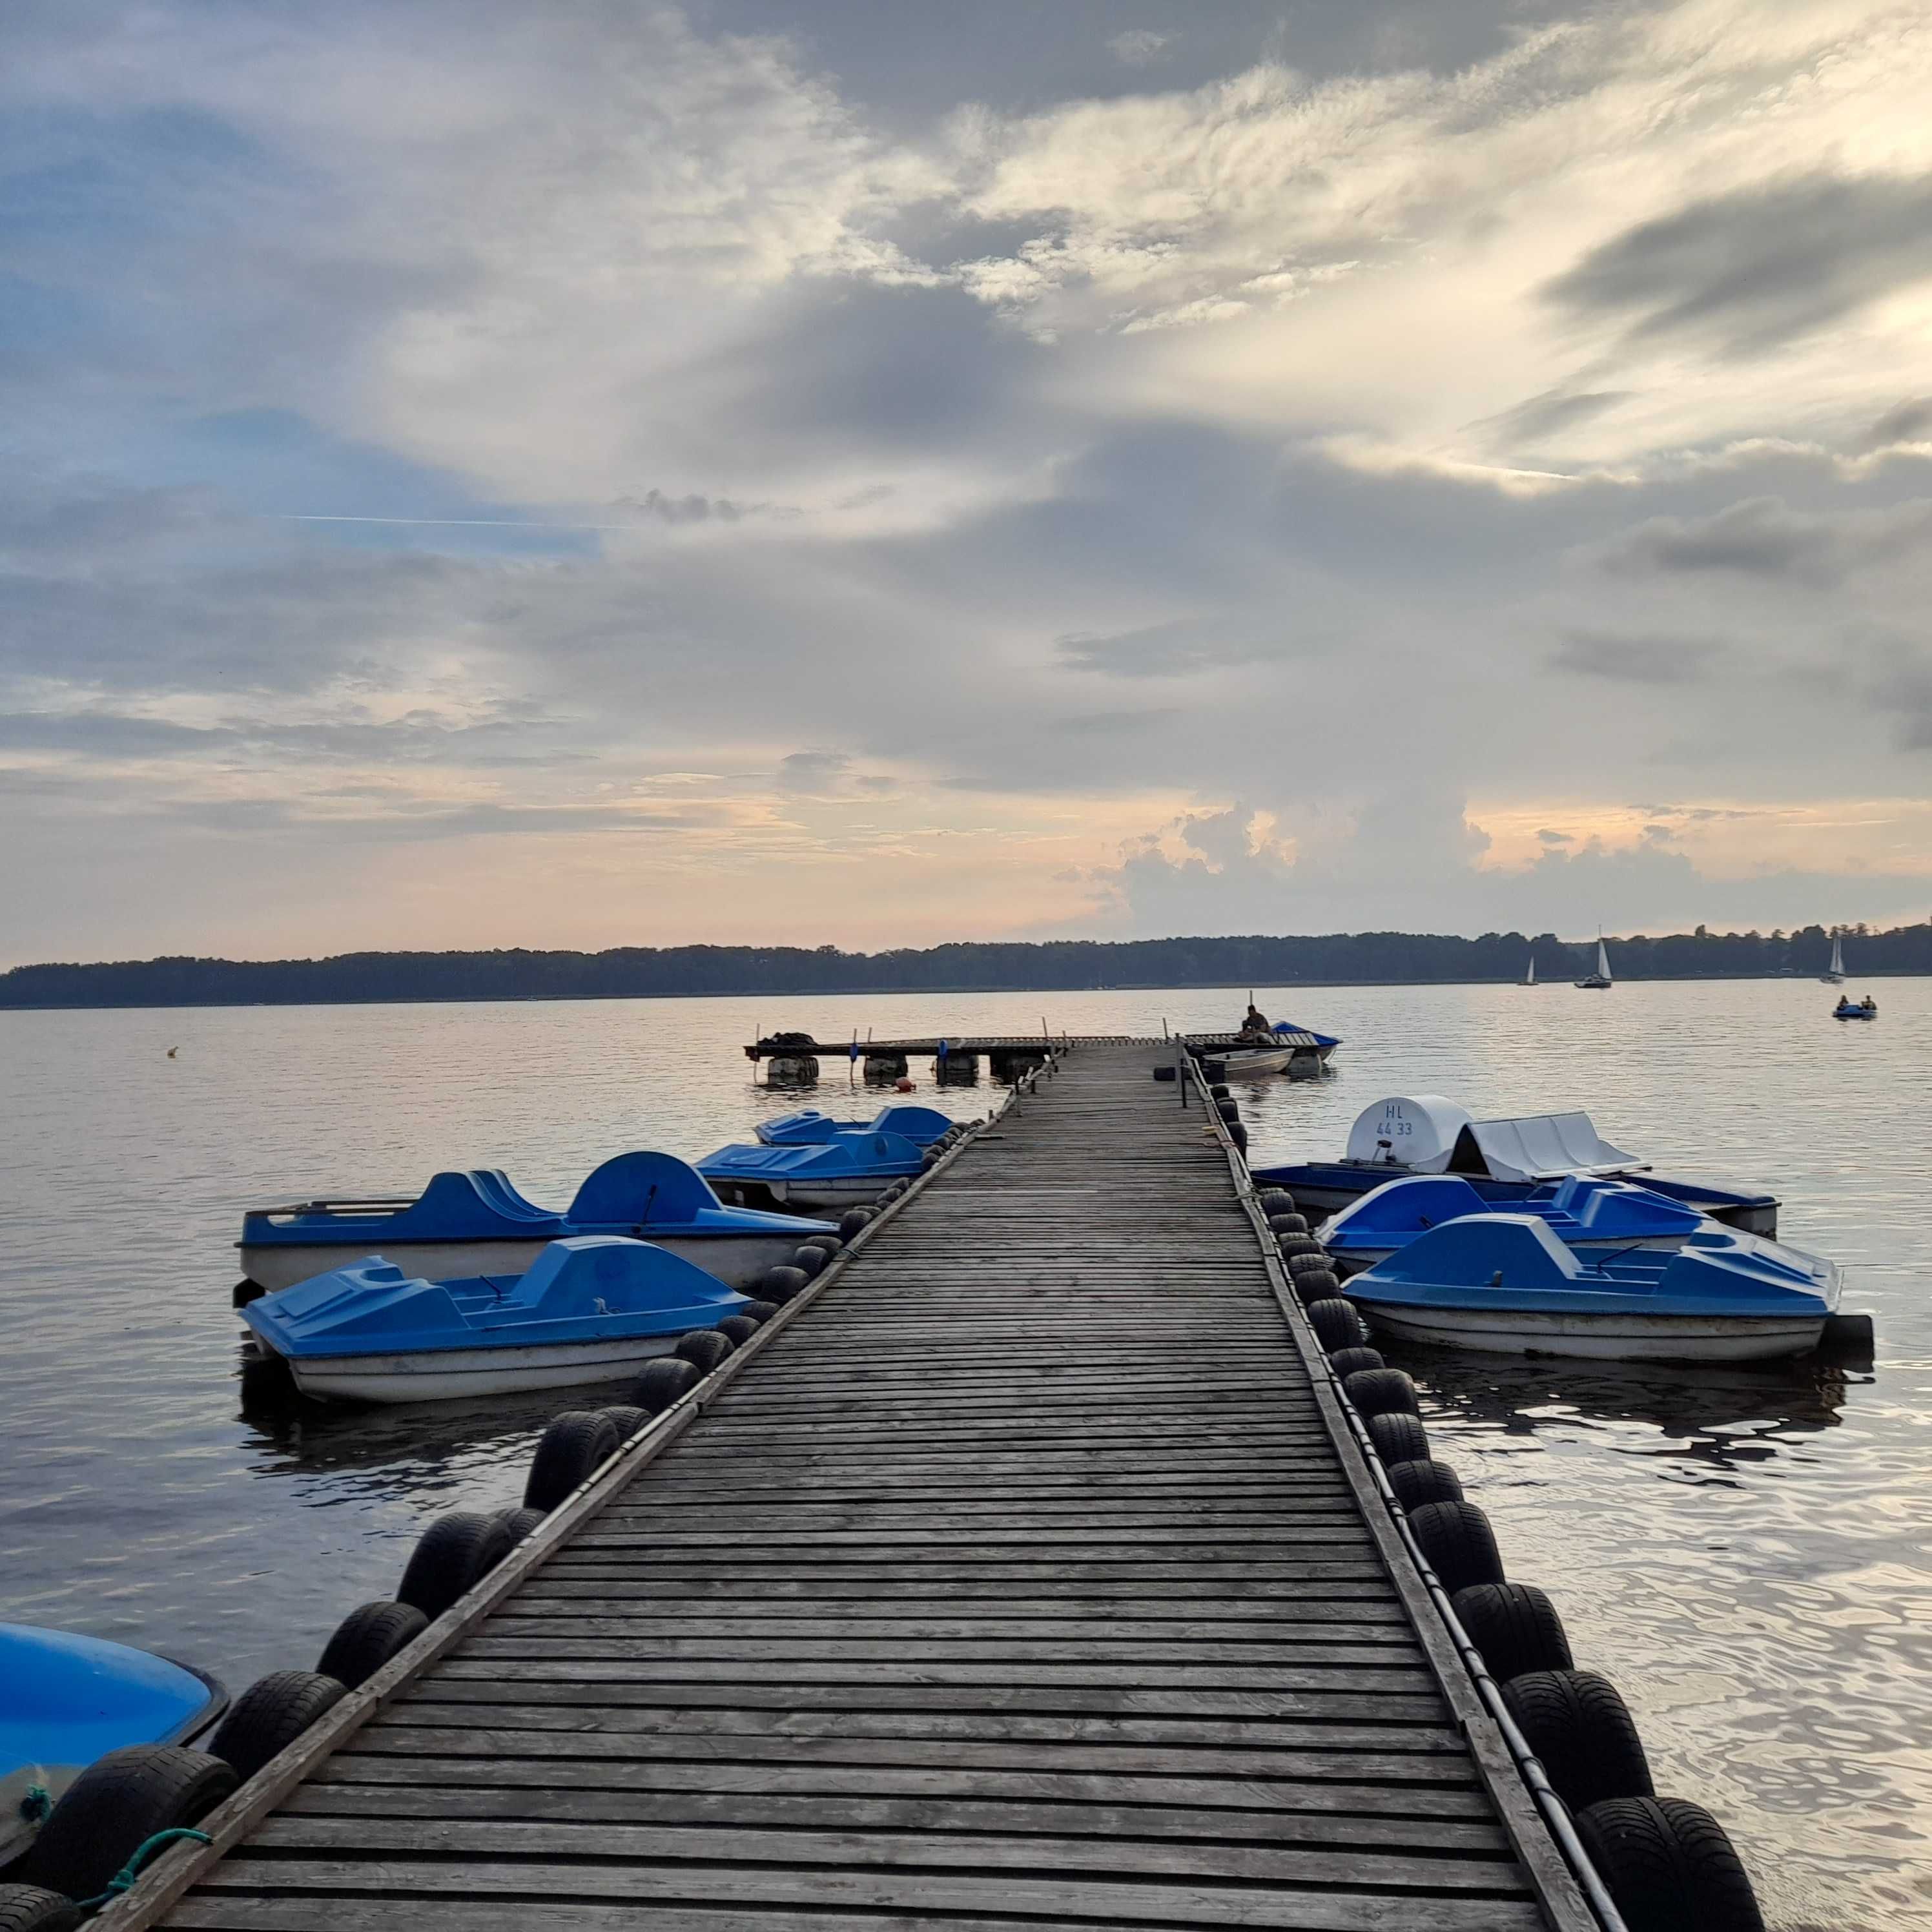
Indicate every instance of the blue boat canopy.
{"type": "Point", "coordinates": [66, 1700]}
{"type": "Point", "coordinates": [1319, 1038]}
{"type": "Point", "coordinates": [863, 1156]}
{"type": "Point", "coordinates": [1576, 1209]}
{"type": "Point", "coordinates": [921, 1126]}
{"type": "Point", "coordinates": [587, 1287]}
{"type": "Point", "coordinates": [1516, 1262]}
{"type": "Point", "coordinates": [646, 1194]}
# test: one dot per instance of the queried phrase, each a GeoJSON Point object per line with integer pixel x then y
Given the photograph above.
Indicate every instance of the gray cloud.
{"type": "Point", "coordinates": [1636, 660]}
{"type": "Point", "coordinates": [1763, 536]}
{"type": "Point", "coordinates": [1532, 422]}
{"type": "Point", "coordinates": [1757, 268]}
{"type": "Point", "coordinates": [1179, 649]}
{"type": "Point", "coordinates": [1909, 422]}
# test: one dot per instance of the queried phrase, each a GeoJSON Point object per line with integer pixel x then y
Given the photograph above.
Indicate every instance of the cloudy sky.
{"type": "Point", "coordinates": [477, 474]}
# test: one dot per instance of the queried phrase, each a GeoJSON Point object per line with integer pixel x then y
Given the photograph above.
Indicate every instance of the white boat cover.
{"type": "Point", "coordinates": [1417, 1132]}
{"type": "Point", "coordinates": [1545, 1146]}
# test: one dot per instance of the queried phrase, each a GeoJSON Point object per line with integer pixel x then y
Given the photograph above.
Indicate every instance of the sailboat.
{"type": "Point", "coordinates": [1836, 976]}
{"type": "Point", "coordinates": [1600, 981]}
{"type": "Point", "coordinates": [1529, 976]}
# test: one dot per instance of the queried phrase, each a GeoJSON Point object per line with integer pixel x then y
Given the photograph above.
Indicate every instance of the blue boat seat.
{"type": "Point", "coordinates": [645, 1188]}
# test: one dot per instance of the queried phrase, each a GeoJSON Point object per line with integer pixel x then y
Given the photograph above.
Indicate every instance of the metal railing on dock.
{"type": "Point", "coordinates": [1025, 1572]}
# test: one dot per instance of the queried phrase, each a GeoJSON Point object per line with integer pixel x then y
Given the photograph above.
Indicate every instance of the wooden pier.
{"type": "Point", "coordinates": [1023, 1577]}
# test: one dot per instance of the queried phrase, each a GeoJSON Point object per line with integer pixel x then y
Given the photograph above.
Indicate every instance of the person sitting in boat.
{"type": "Point", "coordinates": [1868, 1004]}
{"type": "Point", "coordinates": [1255, 1025]}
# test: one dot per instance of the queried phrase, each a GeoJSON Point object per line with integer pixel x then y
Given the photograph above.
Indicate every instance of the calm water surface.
{"type": "Point", "coordinates": [1743, 1551]}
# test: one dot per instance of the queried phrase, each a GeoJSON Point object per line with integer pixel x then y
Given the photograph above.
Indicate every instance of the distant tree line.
{"type": "Point", "coordinates": [639, 972]}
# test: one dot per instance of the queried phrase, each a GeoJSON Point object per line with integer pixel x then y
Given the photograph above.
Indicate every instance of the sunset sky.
{"type": "Point", "coordinates": [480, 474]}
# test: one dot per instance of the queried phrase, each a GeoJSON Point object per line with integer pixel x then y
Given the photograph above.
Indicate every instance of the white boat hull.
{"type": "Point", "coordinates": [739, 1261]}
{"type": "Point", "coordinates": [444, 1375]}
{"type": "Point", "coordinates": [814, 1196]}
{"type": "Point", "coordinates": [1612, 1338]}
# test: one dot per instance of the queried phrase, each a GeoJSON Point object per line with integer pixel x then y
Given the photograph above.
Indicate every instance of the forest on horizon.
{"type": "Point", "coordinates": [993, 966]}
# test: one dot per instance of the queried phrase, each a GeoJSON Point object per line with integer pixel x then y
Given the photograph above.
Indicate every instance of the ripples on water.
{"type": "Point", "coordinates": [1742, 1550]}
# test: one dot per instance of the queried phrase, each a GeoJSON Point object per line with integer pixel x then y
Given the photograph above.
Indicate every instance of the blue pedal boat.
{"type": "Point", "coordinates": [589, 1309]}
{"type": "Point", "coordinates": [844, 1171]}
{"type": "Point", "coordinates": [1581, 1212]}
{"type": "Point", "coordinates": [476, 1223]}
{"type": "Point", "coordinates": [1505, 1161]}
{"type": "Point", "coordinates": [66, 1700]}
{"type": "Point", "coordinates": [1504, 1282]}
{"type": "Point", "coordinates": [808, 1127]}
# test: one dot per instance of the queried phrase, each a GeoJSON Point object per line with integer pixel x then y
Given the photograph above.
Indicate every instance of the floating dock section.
{"type": "Point", "coordinates": [1024, 1576]}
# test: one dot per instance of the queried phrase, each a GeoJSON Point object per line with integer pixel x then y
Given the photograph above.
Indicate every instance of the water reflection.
{"type": "Point", "coordinates": [1712, 1417]}
{"type": "Point", "coordinates": [1743, 1549]}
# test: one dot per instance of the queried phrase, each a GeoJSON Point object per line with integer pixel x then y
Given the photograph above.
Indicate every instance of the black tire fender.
{"type": "Point", "coordinates": [1427, 1481]}
{"type": "Point", "coordinates": [705, 1347]}
{"type": "Point", "coordinates": [32, 1908]}
{"type": "Point", "coordinates": [270, 1715]}
{"type": "Point", "coordinates": [1515, 1626]}
{"type": "Point", "coordinates": [115, 1806]}
{"type": "Point", "coordinates": [1669, 1866]}
{"type": "Point", "coordinates": [1576, 1722]}
{"type": "Point", "coordinates": [782, 1285]}
{"type": "Point", "coordinates": [1346, 1362]}
{"type": "Point", "coordinates": [443, 1562]}
{"type": "Point", "coordinates": [1337, 1325]}
{"type": "Point", "coordinates": [738, 1329]}
{"type": "Point", "coordinates": [662, 1382]}
{"type": "Point", "coordinates": [367, 1638]}
{"type": "Point", "coordinates": [1377, 1391]}
{"type": "Point", "coordinates": [573, 1445]}
{"type": "Point", "coordinates": [1458, 1543]}
{"type": "Point", "coordinates": [1399, 1437]}
{"type": "Point", "coordinates": [626, 1421]}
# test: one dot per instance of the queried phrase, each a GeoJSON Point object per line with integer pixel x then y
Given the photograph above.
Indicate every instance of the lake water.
{"type": "Point", "coordinates": [1744, 1551]}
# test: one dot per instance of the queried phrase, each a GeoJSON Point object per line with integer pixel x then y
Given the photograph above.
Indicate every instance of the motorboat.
{"type": "Point", "coordinates": [1503, 1160]}
{"type": "Point", "coordinates": [1581, 1210]}
{"type": "Point", "coordinates": [66, 1700]}
{"type": "Point", "coordinates": [1600, 981]}
{"type": "Point", "coordinates": [1866, 1008]}
{"type": "Point", "coordinates": [1505, 1283]}
{"type": "Point", "coordinates": [589, 1309]}
{"type": "Point", "coordinates": [808, 1127]}
{"type": "Point", "coordinates": [1835, 974]}
{"type": "Point", "coordinates": [847, 1171]}
{"type": "Point", "coordinates": [476, 1223]}
{"type": "Point", "coordinates": [1298, 1052]}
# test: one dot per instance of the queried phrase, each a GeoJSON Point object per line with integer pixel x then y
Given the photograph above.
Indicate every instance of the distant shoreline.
{"type": "Point", "coordinates": [892, 992]}
{"type": "Point", "coordinates": [1040, 967]}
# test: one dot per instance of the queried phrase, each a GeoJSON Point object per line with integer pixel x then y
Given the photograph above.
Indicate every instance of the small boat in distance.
{"type": "Point", "coordinates": [1866, 1008]}
{"type": "Point", "coordinates": [590, 1309]}
{"type": "Point", "coordinates": [1505, 1283]}
{"type": "Point", "coordinates": [476, 1223]}
{"type": "Point", "coordinates": [1835, 974]}
{"type": "Point", "coordinates": [1529, 974]}
{"type": "Point", "coordinates": [1600, 981]}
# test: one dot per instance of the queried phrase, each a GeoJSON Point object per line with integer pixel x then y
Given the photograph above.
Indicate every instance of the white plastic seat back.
{"type": "Point", "coordinates": [1544, 1147]}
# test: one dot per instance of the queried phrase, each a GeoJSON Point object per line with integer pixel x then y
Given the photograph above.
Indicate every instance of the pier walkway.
{"type": "Point", "coordinates": [1023, 1578]}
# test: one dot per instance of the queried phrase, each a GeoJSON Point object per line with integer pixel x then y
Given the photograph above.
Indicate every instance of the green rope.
{"type": "Point", "coordinates": [38, 1803]}
{"type": "Point", "coordinates": [124, 1880]}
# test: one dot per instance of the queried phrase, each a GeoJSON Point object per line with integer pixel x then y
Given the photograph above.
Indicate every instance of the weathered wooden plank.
{"type": "Point", "coordinates": [919, 1849]}
{"type": "Point", "coordinates": [922, 1891]}
{"type": "Point", "coordinates": [1410, 1808]}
